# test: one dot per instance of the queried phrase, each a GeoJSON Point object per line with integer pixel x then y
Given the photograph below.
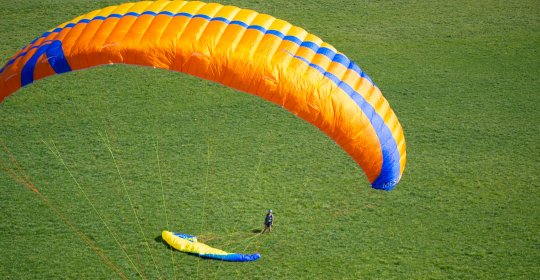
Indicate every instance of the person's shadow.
{"type": "Point", "coordinates": [257, 230]}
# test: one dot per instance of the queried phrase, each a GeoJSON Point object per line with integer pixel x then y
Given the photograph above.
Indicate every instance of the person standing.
{"type": "Point", "coordinates": [268, 221]}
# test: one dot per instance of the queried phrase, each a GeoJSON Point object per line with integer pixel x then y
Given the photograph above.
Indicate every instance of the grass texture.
{"type": "Point", "coordinates": [116, 154]}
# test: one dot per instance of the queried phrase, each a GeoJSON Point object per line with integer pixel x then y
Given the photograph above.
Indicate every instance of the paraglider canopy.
{"type": "Point", "coordinates": [189, 244]}
{"type": "Point", "coordinates": [239, 48]}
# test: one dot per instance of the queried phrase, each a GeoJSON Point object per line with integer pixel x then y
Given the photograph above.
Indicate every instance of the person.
{"type": "Point", "coordinates": [268, 221]}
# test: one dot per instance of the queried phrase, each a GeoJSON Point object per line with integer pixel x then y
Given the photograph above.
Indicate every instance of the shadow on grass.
{"type": "Point", "coordinates": [256, 230]}
{"type": "Point", "coordinates": [159, 239]}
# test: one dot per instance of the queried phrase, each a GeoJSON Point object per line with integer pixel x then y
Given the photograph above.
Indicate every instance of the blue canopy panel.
{"type": "Point", "coordinates": [233, 257]}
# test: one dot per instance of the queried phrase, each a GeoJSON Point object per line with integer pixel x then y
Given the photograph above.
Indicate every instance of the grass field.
{"type": "Point", "coordinates": [120, 153]}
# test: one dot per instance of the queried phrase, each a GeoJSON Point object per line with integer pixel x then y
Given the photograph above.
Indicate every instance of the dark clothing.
{"type": "Point", "coordinates": [268, 220]}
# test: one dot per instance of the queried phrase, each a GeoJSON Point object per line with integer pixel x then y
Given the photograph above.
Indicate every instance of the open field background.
{"type": "Point", "coordinates": [120, 153]}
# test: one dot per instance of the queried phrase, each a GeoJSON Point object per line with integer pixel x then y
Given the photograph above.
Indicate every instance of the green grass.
{"type": "Point", "coordinates": [462, 77]}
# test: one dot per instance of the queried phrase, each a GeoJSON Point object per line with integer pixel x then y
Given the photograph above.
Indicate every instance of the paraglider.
{"type": "Point", "coordinates": [189, 244]}
{"type": "Point", "coordinates": [239, 48]}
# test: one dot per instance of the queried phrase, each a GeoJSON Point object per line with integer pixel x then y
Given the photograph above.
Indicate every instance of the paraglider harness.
{"type": "Point", "coordinates": [269, 219]}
